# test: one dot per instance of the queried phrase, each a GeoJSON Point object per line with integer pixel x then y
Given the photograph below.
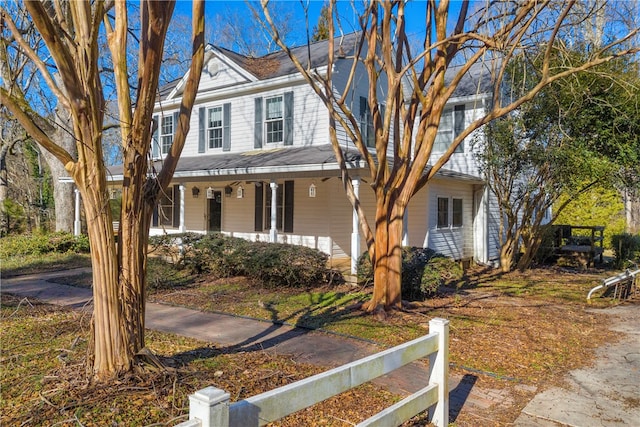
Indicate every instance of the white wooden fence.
{"type": "Point", "coordinates": [210, 406]}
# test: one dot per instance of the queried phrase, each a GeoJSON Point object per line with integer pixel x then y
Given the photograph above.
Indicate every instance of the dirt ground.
{"type": "Point", "coordinates": [511, 335]}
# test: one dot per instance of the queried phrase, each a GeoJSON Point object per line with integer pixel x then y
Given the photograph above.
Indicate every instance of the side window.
{"type": "Point", "coordinates": [366, 124]}
{"type": "Point", "coordinates": [166, 133]}
{"type": "Point", "coordinates": [456, 215]}
{"type": "Point", "coordinates": [443, 212]}
{"type": "Point", "coordinates": [451, 125]}
{"type": "Point", "coordinates": [450, 212]}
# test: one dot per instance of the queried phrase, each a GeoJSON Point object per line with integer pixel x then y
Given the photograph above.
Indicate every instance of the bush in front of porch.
{"type": "Point", "coordinates": [268, 264]}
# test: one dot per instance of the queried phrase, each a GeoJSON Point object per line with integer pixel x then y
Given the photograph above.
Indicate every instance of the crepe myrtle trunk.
{"type": "Point", "coordinates": [386, 258]}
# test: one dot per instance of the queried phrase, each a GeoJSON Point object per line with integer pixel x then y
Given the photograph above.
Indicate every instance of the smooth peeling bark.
{"type": "Point", "coordinates": [387, 261]}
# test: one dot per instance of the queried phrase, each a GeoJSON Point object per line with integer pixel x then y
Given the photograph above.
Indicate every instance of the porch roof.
{"type": "Point", "coordinates": [291, 161]}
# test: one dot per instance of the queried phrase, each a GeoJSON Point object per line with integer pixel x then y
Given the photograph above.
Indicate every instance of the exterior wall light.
{"type": "Point", "coordinates": [195, 192]}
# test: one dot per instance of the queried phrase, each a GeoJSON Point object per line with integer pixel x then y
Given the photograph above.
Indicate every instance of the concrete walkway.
{"type": "Point", "coordinates": [550, 408]}
{"type": "Point", "coordinates": [605, 394]}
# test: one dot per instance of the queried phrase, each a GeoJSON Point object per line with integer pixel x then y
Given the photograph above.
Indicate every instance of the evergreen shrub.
{"type": "Point", "coordinates": [268, 264]}
{"type": "Point", "coordinates": [43, 243]}
{"type": "Point", "coordinates": [626, 247]}
{"type": "Point", "coordinates": [423, 272]}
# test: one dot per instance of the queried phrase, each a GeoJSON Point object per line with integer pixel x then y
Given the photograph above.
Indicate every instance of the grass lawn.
{"type": "Point", "coordinates": [520, 332]}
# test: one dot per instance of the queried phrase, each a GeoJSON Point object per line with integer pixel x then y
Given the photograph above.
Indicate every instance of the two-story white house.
{"type": "Point", "coordinates": [258, 162]}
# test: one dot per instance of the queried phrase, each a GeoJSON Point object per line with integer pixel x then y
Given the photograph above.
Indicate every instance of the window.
{"type": "Point", "coordinates": [166, 133]}
{"type": "Point", "coordinates": [443, 212]}
{"type": "Point", "coordinates": [283, 206]}
{"type": "Point", "coordinates": [449, 214]}
{"type": "Point", "coordinates": [456, 216]}
{"type": "Point", "coordinates": [214, 127]}
{"type": "Point", "coordinates": [274, 120]}
{"type": "Point", "coordinates": [451, 125]}
{"type": "Point", "coordinates": [167, 211]}
{"type": "Point", "coordinates": [366, 124]}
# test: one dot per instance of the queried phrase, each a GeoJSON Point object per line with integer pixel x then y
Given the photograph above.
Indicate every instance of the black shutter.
{"type": "Point", "coordinates": [176, 206]}
{"type": "Point", "coordinates": [257, 130]}
{"type": "Point", "coordinates": [155, 142]}
{"type": "Point", "coordinates": [259, 205]}
{"type": "Point", "coordinates": [458, 125]}
{"type": "Point", "coordinates": [226, 127]}
{"type": "Point", "coordinates": [202, 112]}
{"type": "Point", "coordinates": [154, 221]}
{"type": "Point", "coordinates": [288, 206]}
{"type": "Point", "coordinates": [288, 118]}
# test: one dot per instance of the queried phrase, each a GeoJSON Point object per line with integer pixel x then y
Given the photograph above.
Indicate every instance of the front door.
{"type": "Point", "coordinates": [215, 212]}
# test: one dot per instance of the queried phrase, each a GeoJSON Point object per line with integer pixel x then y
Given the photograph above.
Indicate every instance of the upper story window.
{"type": "Point", "coordinates": [166, 133]}
{"type": "Point", "coordinates": [274, 119]}
{"type": "Point", "coordinates": [366, 123]}
{"type": "Point", "coordinates": [214, 127]}
{"type": "Point", "coordinates": [451, 125]}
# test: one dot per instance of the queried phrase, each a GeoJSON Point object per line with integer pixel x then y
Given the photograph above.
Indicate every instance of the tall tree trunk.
{"type": "Point", "coordinates": [109, 352]}
{"type": "Point", "coordinates": [387, 258]}
{"type": "Point", "coordinates": [4, 189]}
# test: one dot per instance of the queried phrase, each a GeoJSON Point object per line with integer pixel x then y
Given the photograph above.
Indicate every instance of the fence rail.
{"type": "Point", "coordinates": [210, 406]}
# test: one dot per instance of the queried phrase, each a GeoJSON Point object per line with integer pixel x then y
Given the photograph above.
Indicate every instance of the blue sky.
{"type": "Point", "coordinates": [414, 13]}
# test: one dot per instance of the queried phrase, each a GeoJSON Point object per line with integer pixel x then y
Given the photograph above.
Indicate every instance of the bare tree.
{"type": "Point", "coordinates": [416, 92]}
{"type": "Point", "coordinates": [71, 31]}
{"type": "Point", "coordinates": [19, 77]}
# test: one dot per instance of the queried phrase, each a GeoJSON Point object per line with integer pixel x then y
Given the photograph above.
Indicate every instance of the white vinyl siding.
{"type": "Point", "coordinates": [453, 241]}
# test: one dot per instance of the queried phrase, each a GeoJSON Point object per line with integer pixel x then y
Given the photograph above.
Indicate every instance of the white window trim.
{"type": "Point", "coordinates": [266, 121]}
{"type": "Point", "coordinates": [449, 109]}
{"type": "Point", "coordinates": [210, 128]}
{"type": "Point", "coordinates": [161, 206]}
{"type": "Point", "coordinates": [164, 135]}
{"type": "Point", "coordinates": [449, 225]}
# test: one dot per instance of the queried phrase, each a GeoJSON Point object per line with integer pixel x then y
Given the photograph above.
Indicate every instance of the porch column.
{"type": "Point", "coordinates": [273, 232]}
{"type": "Point", "coordinates": [405, 227]}
{"type": "Point", "coordinates": [76, 222]}
{"type": "Point", "coordinates": [182, 201]}
{"type": "Point", "coordinates": [355, 230]}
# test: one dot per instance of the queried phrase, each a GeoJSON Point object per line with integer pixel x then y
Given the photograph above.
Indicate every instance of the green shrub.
{"type": "Point", "coordinates": [42, 243]}
{"type": "Point", "coordinates": [164, 275]}
{"type": "Point", "coordinates": [269, 264]}
{"type": "Point", "coordinates": [626, 247]}
{"type": "Point", "coordinates": [219, 255]}
{"type": "Point", "coordinates": [423, 272]}
{"type": "Point", "coordinates": [278, 264]}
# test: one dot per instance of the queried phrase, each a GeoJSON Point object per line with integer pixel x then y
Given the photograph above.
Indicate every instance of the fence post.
{"type": "Point", "coordinates": [439, 372]}
{"type": "Point", "coordinates": [211, 406]}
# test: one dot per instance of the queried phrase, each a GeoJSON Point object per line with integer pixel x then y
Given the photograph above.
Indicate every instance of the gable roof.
{"type": "Point", "coordinates": [277, 64]}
